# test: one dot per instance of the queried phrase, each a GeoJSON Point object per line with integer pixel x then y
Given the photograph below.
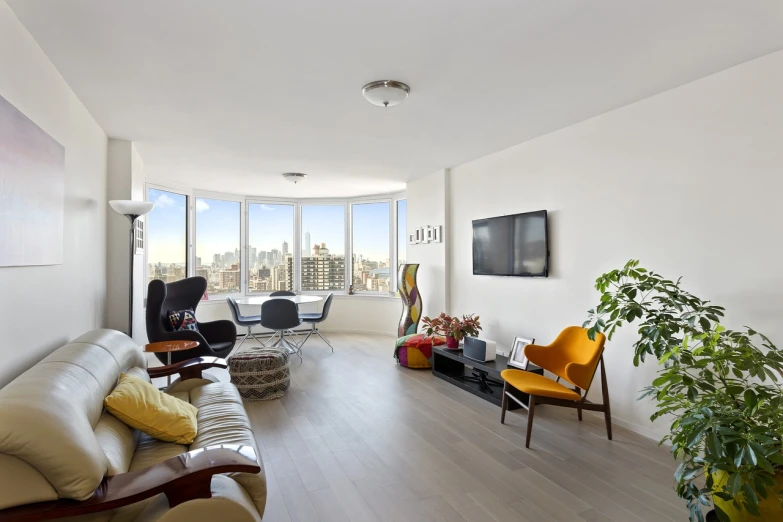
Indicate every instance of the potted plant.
{"type": "Point", "coordinates": [720, 387]}
{"type": "Point", "coordinates": [453, 328]}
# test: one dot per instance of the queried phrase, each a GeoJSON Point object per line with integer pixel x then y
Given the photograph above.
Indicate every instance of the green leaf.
{"type": "Point", "coordinates": [751, 400]}
{"type": "Point", "coordinates": [738, 457]}
{"type": "Point", "coordinates": [734, 483]}
{"type": "Point", "coordinates": [722, 516]}
{"type": "Point", "coordinates": [705, 323]}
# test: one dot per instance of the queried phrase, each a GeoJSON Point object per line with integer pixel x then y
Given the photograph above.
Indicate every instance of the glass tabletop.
{"type": "Point", "coordinates": [298, 299]}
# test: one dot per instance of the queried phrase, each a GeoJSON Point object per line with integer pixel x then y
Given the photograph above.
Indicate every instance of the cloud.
{"type": "Point", "coordinates": [268, 208]}
{"type": "Point", "coordinates": [201, 205]}
{"type": "Point", "coordinates": [164, 201]}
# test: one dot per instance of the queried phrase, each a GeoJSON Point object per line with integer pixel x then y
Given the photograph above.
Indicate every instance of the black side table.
{"type": "Point", "coordinates": [452, 366]}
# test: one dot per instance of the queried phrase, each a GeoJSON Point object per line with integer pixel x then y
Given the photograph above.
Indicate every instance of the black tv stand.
{"type": "Point", "coordinates": [476, 377]}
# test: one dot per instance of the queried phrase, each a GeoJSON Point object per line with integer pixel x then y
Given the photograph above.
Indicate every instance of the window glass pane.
{"type": "Point", "coordinates": [371, 267]}
{"type": "Point", "coordinates": [270, 247]}
{"type": "Point", "coordinates": [323, 247]}
{"type": "Point", "coordinates": [217, 244]}
{"type": "Point", "coordinates": [167, 233]}
{"type": "Point", "coordinates": [402, 231]}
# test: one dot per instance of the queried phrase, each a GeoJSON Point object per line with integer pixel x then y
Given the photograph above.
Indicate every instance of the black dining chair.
{"type": "Point", "coordinates": [248, 321]}
{"type": "Point", "coordinates": [315, 319]}
{"type": "Point", "coordinates": [281, 315]}
{"type": "Point", "coordinates": [216, 338]}
{"type": "Point", "coordinates": [285, 293]}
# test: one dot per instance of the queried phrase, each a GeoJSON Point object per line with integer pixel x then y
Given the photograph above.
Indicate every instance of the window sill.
{"type": "Point", "coordinates": [361, 296]}
{"type": "Point", "coordinates": [384, 297]}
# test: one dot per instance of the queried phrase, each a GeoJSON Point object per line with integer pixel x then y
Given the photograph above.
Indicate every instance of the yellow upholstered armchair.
{"type": "Point", "coordinates": [572, 358]}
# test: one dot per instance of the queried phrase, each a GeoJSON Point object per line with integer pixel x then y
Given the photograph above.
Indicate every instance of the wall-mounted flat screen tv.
{"type": "Point", "coordinates": [516, 245]}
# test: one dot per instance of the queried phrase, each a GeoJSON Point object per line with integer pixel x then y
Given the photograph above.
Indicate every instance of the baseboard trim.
{"type": "Point", "coordinates": [268, 333]}
{"type": "Point", "coordinates": [630, 426]}
{"type": "Point", "coordinates": [363, 332]}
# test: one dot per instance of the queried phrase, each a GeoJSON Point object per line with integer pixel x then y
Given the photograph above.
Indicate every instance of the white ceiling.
{"type": "Point", "coordinates": [226, 95]}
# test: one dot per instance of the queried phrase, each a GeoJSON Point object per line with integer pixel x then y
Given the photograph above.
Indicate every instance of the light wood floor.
{"type": "Point", "coordinates": [359, 438]}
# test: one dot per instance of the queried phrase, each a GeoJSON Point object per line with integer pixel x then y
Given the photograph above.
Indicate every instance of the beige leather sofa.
{"type": "Point", "coordinates": [57, 442]}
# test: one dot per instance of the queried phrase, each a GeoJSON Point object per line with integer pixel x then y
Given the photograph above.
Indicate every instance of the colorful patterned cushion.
{"type": "Point", "coordinates": [183, 320]}
{"type": "Point", "coordinates": [415, 350]}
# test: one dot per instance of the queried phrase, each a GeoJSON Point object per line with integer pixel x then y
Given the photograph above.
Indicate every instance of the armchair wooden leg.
{"type": "Point", "coordinates": [531, 406]}
{"type": "Point", "coordinates": [504, 405]}
{"type": "Point", "coordinates": [578, 409]}
{"type": "Point", "coordinates": [605, 393]}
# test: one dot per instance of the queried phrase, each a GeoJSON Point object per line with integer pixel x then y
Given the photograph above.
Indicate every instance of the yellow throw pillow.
{"type": "Point", "coordinates": [142, 406]}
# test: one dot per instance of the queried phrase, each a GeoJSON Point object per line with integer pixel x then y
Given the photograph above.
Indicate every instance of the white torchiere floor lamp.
{"type": "Point", "coordinates": [131, 210]}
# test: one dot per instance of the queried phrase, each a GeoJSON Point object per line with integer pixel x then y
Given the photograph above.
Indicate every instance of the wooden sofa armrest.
{"type": "Point", "coordinates": [181, 478]}
{"type": "Point", "coordinates": [190, 369]}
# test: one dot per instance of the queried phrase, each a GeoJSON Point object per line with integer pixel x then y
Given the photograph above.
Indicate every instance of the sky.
{"type": "Point", "coordinates": [218, 227]}
{"type": "Point", "coordinates": [370, 236]}
{"type": "Point", "coordinates": [166, 227]}
{"type": "Point", "coordinates": [270, 225]}
{"type": "Point", "coordinates": [326, 224]}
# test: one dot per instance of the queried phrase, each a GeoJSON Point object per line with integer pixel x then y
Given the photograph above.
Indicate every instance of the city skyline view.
{"type": "Point", "coordinates": [269, 258]}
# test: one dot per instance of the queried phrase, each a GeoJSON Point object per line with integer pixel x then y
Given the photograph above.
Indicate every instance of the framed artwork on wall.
{"type": "Point", "coordinates": [517, 357]}
{"type": "Point", "coordinates": [32, 192]}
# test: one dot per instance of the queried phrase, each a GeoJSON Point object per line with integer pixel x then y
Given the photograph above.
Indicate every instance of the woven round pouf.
{"type": "Point", "coordinates": [260, 375]}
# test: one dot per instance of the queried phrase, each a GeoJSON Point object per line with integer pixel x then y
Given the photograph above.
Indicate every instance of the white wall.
{"type": "Point", "coordinates": [427, 205]}
{"type": "Point", "coordinates": [688, 181]}
{"type": "Point", "coordinates": [44, 307]}
{"type": "Point", "coordinates": [125, 181]}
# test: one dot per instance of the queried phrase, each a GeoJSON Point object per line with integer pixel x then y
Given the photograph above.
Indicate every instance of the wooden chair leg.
{"type": "Point", "coordinates": [504, 405]}
{"type": "Point", "coordinates": [531, 406]}
{"type": "Point", "coordinates": [578, 409]}
{"type": "Point", "coordinates": [605, 393]}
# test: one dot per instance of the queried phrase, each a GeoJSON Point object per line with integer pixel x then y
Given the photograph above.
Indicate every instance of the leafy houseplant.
{"type": "Point", "coordinates": [721, 387]}
{"type": "Point", "coordinates": [453, 328]}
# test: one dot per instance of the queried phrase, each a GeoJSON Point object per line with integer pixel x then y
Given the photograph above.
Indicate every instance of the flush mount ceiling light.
{"type": "Point", "coordinates": [294, 177]}
{"type": "Point", "coordinates": [386, 93]}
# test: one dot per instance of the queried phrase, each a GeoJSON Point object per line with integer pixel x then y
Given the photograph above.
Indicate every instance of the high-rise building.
{"type": "Point", "coordinates": [321, 270]}
{"type": "Point", "coordinates": [229, 259]}
{"type": "Point", "coordinates": [307, 244]}
{"type": "Point", "coordinates": [253, 256]}
{"type": "Point", "coordinates": [198, 261]}
{"type": "Point", "coordinates": [285, 248]}
{"type": "Point", "coordinates": [228, 279]}
{"type": "Point", "coordinates": [216, 260]}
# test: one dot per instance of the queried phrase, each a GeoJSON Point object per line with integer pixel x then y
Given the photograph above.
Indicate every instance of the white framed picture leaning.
{"type": "Point", "coordinates": [517, 357]}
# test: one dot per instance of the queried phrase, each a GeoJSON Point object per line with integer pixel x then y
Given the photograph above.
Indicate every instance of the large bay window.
{"type": "Point", "coordinates": [251, 246]}
{"type": "Point", "coordinates": [167, 236]}
{"type": "Point", "coordinates": [323, 248]}
{"type": "Point", "coordinates": [270, 242]}
{"type": "Point", "coordinates": [218, 256]}
{"type": "Point", "coordinates": [370, 267]}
